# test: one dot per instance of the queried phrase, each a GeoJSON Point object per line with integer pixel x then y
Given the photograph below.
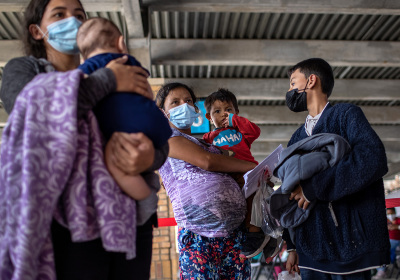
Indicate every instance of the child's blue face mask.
{"type": "Point", "coordinates": [61, 35]}
{"type": "Point", "coordinates": [183, 116]}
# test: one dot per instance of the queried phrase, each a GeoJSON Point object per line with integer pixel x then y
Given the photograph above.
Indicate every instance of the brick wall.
{"type": "Point", "coordinates": [165, 259]}
{"type": "Point", "coordinates": [164, 263]}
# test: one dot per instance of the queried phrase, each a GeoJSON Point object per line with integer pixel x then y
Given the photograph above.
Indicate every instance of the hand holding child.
{"type": "Point", "coordinates": [130, 78]}
{"type": "Point", "coordinates": [132, 153]}
{"type": "Point", "coordinates": [133, 185]}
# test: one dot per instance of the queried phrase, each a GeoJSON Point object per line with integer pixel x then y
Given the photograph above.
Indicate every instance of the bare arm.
{"type": "Point", "coordinates": [184, 149]}
{"type": "Point", "coordinates": [133, 185]}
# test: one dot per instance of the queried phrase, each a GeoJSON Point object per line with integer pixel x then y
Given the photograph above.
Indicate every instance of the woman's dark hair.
{"type": "Point", "coordinates": [318, 67]}
{"type": "Point", "coordinates": [33, 15]}
{"type": "Point", "coordinates": [165, 90]}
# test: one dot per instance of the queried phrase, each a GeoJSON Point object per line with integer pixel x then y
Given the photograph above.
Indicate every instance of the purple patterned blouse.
{"type": "Point", "coordinates": [208, 203]}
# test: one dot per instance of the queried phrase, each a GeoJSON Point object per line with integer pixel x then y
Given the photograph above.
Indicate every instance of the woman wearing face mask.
{"type": "Point", "coordinates": [92, 234]}
{"type": "Point", "coordinates": [208, 204]}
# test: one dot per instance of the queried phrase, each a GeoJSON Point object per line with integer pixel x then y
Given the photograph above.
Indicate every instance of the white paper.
{"type": "Point", "coordinates": [254, 176]}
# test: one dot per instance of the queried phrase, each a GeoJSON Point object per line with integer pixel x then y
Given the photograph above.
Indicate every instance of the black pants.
{"type": "Point", "coordinates": [90, 261]}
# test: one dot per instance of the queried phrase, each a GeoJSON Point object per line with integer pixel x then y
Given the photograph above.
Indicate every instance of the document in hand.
{"type": "Point", "coordinates": [254, 177]}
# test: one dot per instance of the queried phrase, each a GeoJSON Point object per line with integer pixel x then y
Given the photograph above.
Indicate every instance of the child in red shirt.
{"type": "Point", "coordinates": [236, 134]}
{"type": "Point", "coordinates": [232, 132]}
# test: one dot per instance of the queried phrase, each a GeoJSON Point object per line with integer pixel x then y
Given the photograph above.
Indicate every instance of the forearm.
{"type": "Point", "coordinates": [222, 163]}
{"type": "Point", "coordinates": [93, 88]}
{"type": "Point", "coordinates": [134, 186]}
{"type": "Point", "coordinates": [160, 156]}
{"type": "Point", "coordinates": [183, 149]}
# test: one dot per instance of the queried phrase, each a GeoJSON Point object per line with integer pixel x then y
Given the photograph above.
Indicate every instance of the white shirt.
{"type": "Point", "coordinates": [312, 121]}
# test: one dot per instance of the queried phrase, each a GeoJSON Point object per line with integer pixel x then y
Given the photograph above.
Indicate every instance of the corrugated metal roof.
{"type": "Point", "coordinates": [247, 102]}
{"type": "Point", "coordinates": [170, 24]}
{"type": "Point", "coordinates": [167, 24]}
{"type": "Point", "coordinates": [10, 25]}
{"type": "Point", "coordinates": [266, 72]}
{"type": "Point", "coordinates": [207, 25]}
{"type": "Point", "coordinates": [11, 22]}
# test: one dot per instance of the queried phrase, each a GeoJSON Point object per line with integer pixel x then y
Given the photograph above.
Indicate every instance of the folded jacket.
{"type": "Point", "coordinates": [298, 162]}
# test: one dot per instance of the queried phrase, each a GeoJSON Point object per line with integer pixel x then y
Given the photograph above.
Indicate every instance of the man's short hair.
{"type": "Point", "coordinates": [96, 33]}
{"type": "Point", "coordinates": [318, 67]}
{"type": "Point", "coordinates": [223, 95]}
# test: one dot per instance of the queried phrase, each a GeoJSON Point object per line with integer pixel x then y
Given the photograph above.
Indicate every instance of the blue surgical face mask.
{"type": "Point", "coordinates": [61, 35]}
{"type": "Point", "coordinates": [183, 116]}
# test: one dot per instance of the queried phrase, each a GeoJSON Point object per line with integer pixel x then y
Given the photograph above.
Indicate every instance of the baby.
{"type": "Point", "coordinates": [236, 134]}
{"type": "Point", "coordinates": [100, 41]}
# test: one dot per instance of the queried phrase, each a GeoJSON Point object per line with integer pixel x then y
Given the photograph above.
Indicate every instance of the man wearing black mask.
{"type": "Point", "coordinates": [345, 235]}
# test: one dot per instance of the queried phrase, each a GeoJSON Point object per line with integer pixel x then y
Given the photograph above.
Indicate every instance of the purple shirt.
{"type": "Point", "coordinates": [208, 203]}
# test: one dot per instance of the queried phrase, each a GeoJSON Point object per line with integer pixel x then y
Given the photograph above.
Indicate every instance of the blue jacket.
{"type": "Point", "coordinates": [352, 191]}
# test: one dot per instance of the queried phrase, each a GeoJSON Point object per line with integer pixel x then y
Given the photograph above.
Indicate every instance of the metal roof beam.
{"type": "Point", "coordinates": [133, 17]}
{"type": "Point", "coordinates": [283, 133]}
{"type": "Point", "coordinates": [278, 6]}
{"type": "Point", "coordinates": [137, 40]}
{"type": "Point", "coordinates": [282, 115]}
{"type": "Point", "coordinates": [275, 89]}
{"type": "Point", "coordinates": [273, 52]}
{"type": "Point", "coordinates": [258, 52]}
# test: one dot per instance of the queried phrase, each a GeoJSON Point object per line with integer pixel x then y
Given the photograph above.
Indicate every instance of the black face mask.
{"type": "Point", "coordinates": [297, 101]}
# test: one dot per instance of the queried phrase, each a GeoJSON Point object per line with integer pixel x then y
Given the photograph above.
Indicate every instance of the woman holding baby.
{"type": "Point", "coordinates": [62, 215]}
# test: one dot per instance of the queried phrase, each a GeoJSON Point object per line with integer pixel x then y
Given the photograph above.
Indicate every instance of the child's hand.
{"type": "Point", "coordinates": [225, 122]}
